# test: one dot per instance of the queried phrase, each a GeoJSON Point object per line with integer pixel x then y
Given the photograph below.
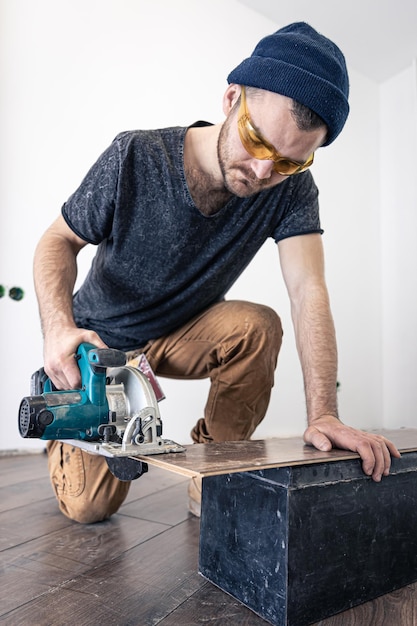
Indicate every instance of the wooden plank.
{"type": "Point", "coordinates": [17, 468]}
{"type": "Point", "coordinates": [243, 456]}
{"type": "Point", "coordinates": [38, 520]}
{"type": "Point", "coordinates": [156, 479]}
{"type": "Point", "coordinates": [41, 567]}
{"type": "Point", "coordinates": [166, 507]}
{"type": "Point", "coordinates": [20, 494]}
{"type": "Point", "coordinates": [137, 586]}
{"type": "Point", "coordinates": [210, 605]}
{"type": "Point", "coordinates": [398, 607]}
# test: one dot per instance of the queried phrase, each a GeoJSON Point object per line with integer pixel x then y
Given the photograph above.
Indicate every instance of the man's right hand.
{"type": "Point", "coordinates": [59, 355]}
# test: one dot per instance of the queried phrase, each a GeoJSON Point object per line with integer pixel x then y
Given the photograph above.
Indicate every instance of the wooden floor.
{"type": "Point", "coordinates": [138, 569]}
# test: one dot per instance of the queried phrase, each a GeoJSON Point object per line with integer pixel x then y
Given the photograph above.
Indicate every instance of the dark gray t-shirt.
{"type": "Point", "coordinates": [160, 261]}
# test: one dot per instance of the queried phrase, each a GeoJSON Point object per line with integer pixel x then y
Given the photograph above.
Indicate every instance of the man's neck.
{"type": "Point", "coordinates": [202, 170]}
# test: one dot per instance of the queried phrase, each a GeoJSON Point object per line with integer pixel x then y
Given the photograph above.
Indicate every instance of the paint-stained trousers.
{"type": "Point", "coordinates": [236, 345]}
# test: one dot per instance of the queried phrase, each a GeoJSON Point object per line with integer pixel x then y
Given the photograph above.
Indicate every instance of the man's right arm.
{"type": "Point", "coordinates": [55, 273]}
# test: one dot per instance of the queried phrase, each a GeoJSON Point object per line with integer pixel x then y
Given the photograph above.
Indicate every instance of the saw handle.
{"type": "Point", "coordinates": [106, 357]}
{"type": "Point", "coordinates": [93, 362]}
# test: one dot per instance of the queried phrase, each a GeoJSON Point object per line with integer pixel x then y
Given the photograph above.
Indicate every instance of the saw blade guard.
{"type": "Point", "coordinates": [134, 415]}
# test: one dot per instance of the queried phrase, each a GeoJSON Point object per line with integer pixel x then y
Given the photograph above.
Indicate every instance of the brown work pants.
{"type": "Point", "coordinates": [236, 345]}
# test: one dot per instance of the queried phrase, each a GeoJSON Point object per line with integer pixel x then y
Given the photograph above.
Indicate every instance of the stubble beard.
{"type": "Point", "coordinates": [237, 179]}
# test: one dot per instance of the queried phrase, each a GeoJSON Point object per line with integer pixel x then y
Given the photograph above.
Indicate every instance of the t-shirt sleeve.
{"type": "Point", "coordinates": [301, 215]}
{"type": "Point", "coordinates": [89, 210]}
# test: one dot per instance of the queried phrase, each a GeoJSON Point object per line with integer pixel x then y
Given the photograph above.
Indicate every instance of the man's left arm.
{"type": "Point", "coordinates": [302, 263]}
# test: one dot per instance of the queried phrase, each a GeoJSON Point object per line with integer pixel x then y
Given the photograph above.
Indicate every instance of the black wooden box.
{"type": "Point", "coordinates": [299, 544]}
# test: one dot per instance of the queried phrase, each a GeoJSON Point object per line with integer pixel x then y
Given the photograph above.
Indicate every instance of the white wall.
{"type": "Point", "coordinates": [73, 74]}
{"type": "Point", "coordinates": [399, 249]}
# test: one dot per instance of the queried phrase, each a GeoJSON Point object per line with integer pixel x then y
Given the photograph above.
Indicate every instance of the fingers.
{"type": "Point", "coordinates": [317, 439]}
{"type": "Point", "coordinates": [374, 460]}
{"type": "Point", "coordinates": [64, 372]}
{"type": "Point", "coordinates": [59, 356]}
{"type": "Point", "coordinates": [375, 450]}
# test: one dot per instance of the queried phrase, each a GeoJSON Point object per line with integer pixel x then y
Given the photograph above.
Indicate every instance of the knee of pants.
{"type": "Point", "coordinates": [262, 327]}
{"type": "Point", "coordinates": [87, 514]}
{"type": "Point", "coordinates": [86, 490]}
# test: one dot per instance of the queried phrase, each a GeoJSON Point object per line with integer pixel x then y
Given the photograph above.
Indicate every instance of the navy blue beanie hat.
{"type": "Point", "coordinates": [300, 63]}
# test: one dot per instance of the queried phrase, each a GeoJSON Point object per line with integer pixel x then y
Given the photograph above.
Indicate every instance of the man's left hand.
{"type": "Point", "coordinates": [375, 451]}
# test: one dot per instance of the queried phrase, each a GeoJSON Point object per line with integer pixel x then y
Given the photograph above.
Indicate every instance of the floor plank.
{"type": "Point", "coordinates": [154, 480]}
{"type": "Point", "coordinates": [36, 568]}
{"type": "Point", "coordinates": [398, 608]}
{"type": "Point", "coordinates": [210, 605]}
{"type": "Point", "coordinates": [28, 522]}
{"type": "Point", "coordinates": [24, 493]}
{"type": "Point", "coordinates": [22, 467]}
{"type": "Point", "coordinates": [140, 586]}
{"type": "Point", "coordinates": [166, 506]}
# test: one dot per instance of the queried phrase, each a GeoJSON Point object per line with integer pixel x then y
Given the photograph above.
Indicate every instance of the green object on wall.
{"type": "Point", "coordinates": [16, 293]}
{"type": "Point", "coordinates": [2, 291]}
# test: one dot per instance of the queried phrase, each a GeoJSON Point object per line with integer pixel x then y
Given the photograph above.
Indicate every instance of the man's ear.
{"type": "Point", "coordinates": [230, 97]}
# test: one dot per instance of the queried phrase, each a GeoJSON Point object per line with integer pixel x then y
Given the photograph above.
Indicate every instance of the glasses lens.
{"type": "Point", "coordinates": [286, 168]}
{"type": "Point", "coordinates": [251, 141]}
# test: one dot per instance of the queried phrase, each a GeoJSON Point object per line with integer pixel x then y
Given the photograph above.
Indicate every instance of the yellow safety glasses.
{"type": "Point", "coordinates": [260, 148]}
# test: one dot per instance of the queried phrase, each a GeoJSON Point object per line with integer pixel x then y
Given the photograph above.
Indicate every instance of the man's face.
{"type": "Point", "coordinates": [244, 175]}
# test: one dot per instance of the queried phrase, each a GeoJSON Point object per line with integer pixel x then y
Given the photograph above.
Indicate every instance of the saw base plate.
{"type": "Point", "coordinates": [112, 450]}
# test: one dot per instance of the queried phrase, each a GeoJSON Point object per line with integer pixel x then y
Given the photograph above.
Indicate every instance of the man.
{"type": "Point", "coordinates": [177, 214]}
